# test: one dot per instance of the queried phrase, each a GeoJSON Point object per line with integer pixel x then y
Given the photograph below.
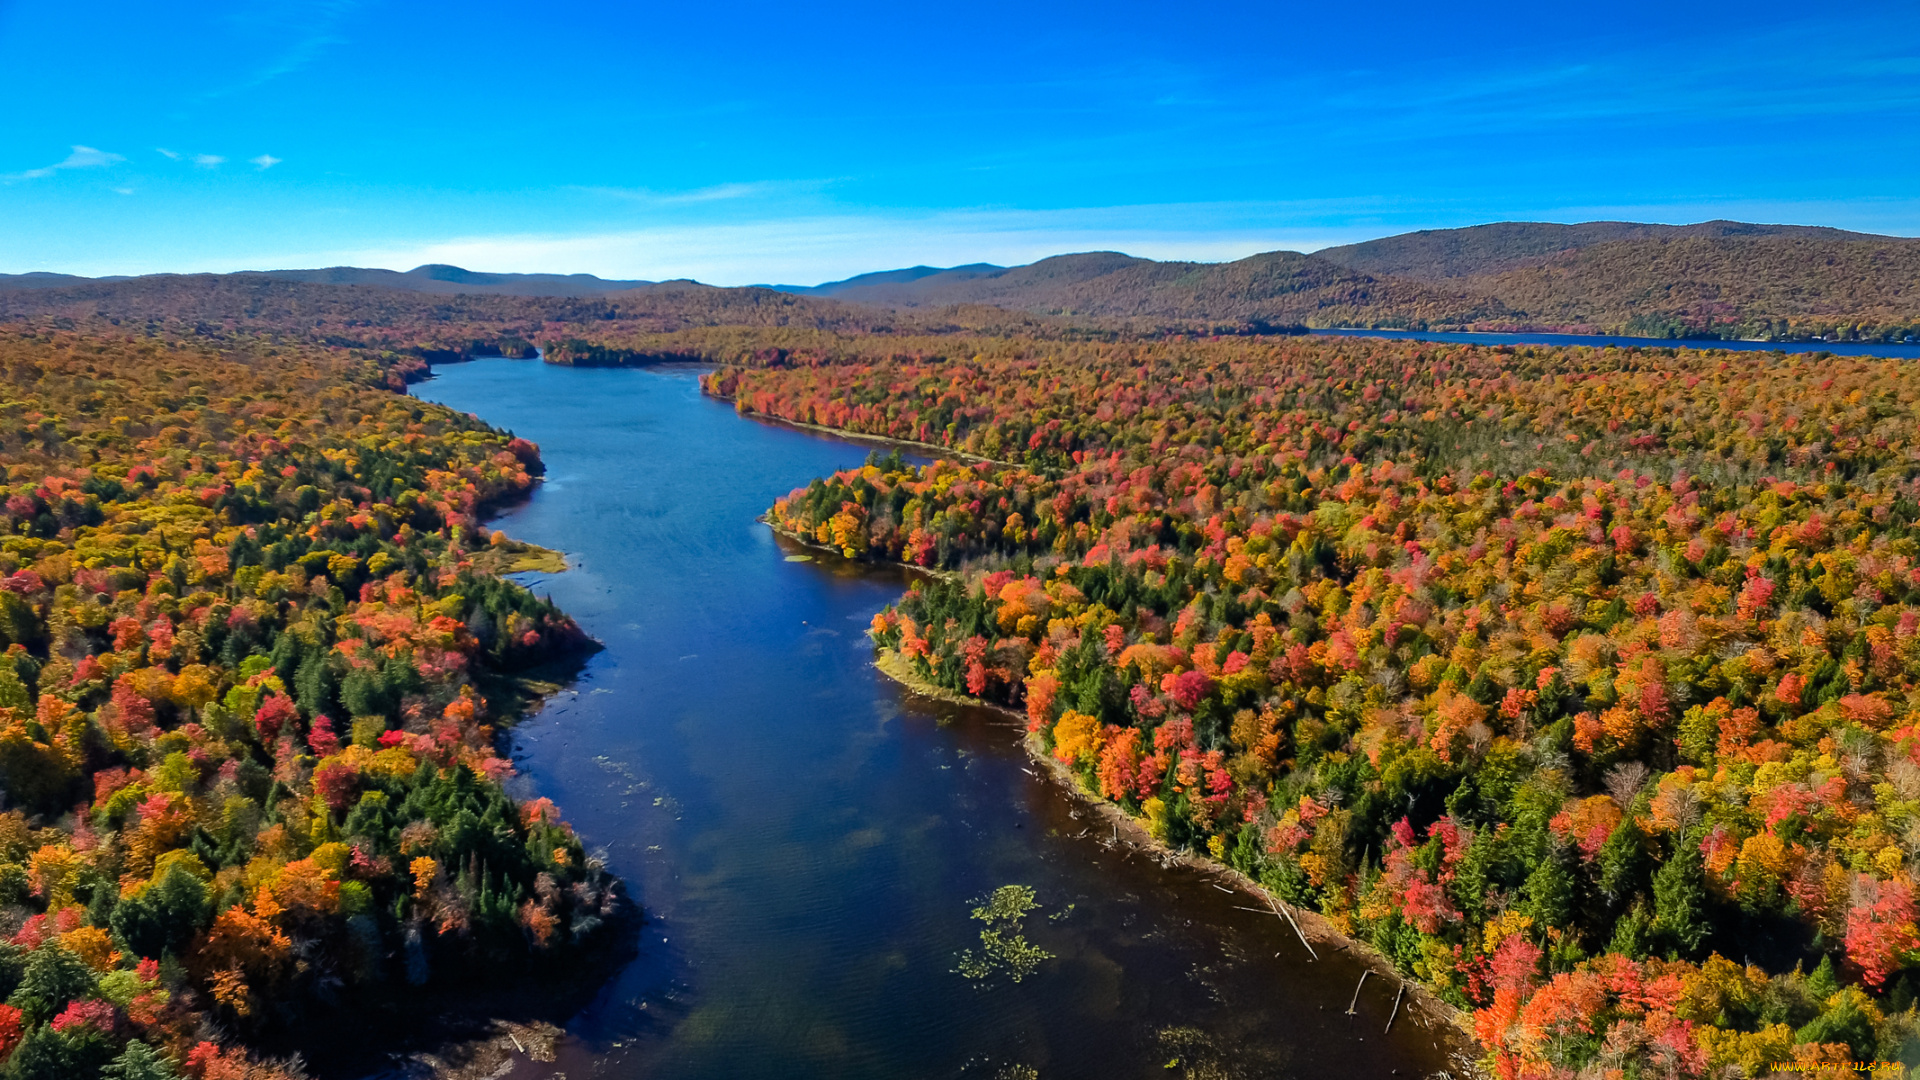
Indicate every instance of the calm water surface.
{"type": "Point", "coordinates": [1907, 349]}
{"type": "Point", "coordinates": [806, 838]}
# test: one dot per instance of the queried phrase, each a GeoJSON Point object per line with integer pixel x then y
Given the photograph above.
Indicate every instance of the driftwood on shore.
{"type": "Point", "coordinates": [1396, 1007]}
{"type": "Point", "coordinates": [1352, 1005]}
{"type": "Point", "coordinates": [1287, 913]}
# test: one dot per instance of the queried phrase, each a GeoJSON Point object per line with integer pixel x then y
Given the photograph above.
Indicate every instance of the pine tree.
{"type": "Point", "coordinates": [1633, 935]}
{"type": "Point", "coordinates": [1550, 890]}
{"type": "Point", "coordinates": [1623, 862]}
{"type": "Point", "coordinates": [140, 1062]}
{"type": "Point", "coordinates": [1680, 900]}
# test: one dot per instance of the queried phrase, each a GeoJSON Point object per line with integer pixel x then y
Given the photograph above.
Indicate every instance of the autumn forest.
{"type": "Point", "coordinates": [254, 651]}
{"type": "Point", "coordinates": [1582, 685]}
{"type": "Point", "coordinates": [1579, 683]}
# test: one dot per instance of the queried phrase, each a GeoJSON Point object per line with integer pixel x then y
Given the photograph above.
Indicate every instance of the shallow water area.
{"type": "Point", "coordinates": [808, 839]}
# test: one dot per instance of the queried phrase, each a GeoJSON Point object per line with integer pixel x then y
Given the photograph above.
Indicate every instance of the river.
{"type": "Point", "coordinates": [807, 838]}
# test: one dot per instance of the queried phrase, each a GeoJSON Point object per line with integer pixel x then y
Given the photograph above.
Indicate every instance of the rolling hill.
{"type": "Point", "coordinates": [432, 278]}
{"type": "Point", "coordinates": [1279, 287]}
{"type": "Point", "coordinates": [1449, 254]}
{"type": "Point", "coordinates": [1714, 279]}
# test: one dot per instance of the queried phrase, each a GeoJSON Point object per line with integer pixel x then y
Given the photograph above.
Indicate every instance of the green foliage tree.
{"type": "Point", "coordinates": [165, 915]}
{"type": "Point", "coordinates": [1680, 900]}
{"type": "Point", "coordinates": [138, 1061]}
{"type": "Point", "coordinates": [51, 978]}
{"type": "Point", "coordinates": [1550, 890]}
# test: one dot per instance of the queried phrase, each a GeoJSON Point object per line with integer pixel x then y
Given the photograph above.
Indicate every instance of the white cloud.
{"type": "Point", "coordinates": [82, 157]}
{"type": "Point", "coordinates": [264, 161]}
{"type": "Point", "coordinates": [208, 161]}
{"type": "Point", "coordinates": [123, 191]}
{"type": "Point", "coordinates": [172, 154]}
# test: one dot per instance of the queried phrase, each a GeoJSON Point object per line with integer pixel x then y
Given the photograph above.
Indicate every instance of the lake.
{"type": "Point", "coordinates": [1906, 350]}
{"type": "Point", "coordinates": [807, 838]}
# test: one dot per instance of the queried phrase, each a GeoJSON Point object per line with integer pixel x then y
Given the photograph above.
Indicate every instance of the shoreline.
{"type": "Point", "coordinates": [498, 1042]}
{"type": "Point", "coordinates": [857, 436]}
{"type": "Point", "coordinates": [1423, 1006]}
{"type": "Point", "coordinates": [833, 552]}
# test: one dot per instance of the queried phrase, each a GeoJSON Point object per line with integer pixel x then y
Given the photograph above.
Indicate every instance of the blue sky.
{"type": "Point", "coordinates": [740, 143]}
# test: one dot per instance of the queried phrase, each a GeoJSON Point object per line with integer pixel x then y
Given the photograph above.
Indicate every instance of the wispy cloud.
{"type": "Point", "coordinates": [82, 157]}
{"type": "Point", "coordinates": [264, 161]}
{"type": "Point", "coordinates": [171, 155]}
{"type": "Point", "coordinates": [716, 193]}
{"type": "Point", "coordinates": [208, 161]}
{"type": "Point", "coordinates": [296, 33]}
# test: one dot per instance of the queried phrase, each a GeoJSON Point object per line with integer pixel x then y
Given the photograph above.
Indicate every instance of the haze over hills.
{"type": "Point", "coordinates": [1713, 279]}
{"type": "Point", "coordinates": [431, 278]}
{"type": "Point", "coordinates": [268, 301]}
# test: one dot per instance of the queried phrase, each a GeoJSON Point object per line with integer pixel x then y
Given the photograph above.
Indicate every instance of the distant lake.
{"type": "Point", "coordinates": [1838, 348]}
{"type": "Point", "coordinates": [807, 839]}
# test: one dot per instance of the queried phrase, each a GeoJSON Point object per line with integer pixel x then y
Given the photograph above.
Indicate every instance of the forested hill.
{"type": "Point", "coordinates": [434, 327]}
{"type": "Point", "coordinates": [1716, 279]}
{"type": "Point", "coordinates": [1720, 279]}
{"type": "Point", "coordinates": [431, 278]}
{"type": "Point", "coordinates": [254, 644]}
{"type": "Point", "coordinates": [1443, 254]}
{"type": "Point", "coordinates": [266, 301]}
{"type": "Point", "coordinates": [1275, 287]}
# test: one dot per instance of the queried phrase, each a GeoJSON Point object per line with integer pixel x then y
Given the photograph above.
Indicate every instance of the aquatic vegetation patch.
{"type": "Point", "coordinates": [1003, 948]}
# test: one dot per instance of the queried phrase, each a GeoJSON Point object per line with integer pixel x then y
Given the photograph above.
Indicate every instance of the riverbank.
{"type": "Point", "coordinates": [1452, 1027]}
{"type": "Point", "coordinates": [855, 436]}
{"type": "Point", "coordinates": [833, 552]}
{"type": "Point", "coordinates": [1421, 1006]}
{"type": "Point", "coordinates": [483, 1032]}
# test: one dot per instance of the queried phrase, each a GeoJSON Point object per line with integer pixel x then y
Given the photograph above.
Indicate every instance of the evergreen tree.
{"type": "Point", "coordinates": [1680, 900]}
{"type": "Point", "coordinates": [1623, 862]}
{"type": "Point", "coordinates": [52, 978]}
{"type": "Point", "coordinates": [1633, 935]}
{"type": "Point", "coordinates": [1549, 890]}
{"type": "Point", "coordinates": [164, 916]}
{"type": "Point", "coordinates": [140, 1062]}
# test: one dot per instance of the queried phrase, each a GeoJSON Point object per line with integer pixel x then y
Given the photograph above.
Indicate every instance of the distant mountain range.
{"type": "Point", "coordinates": [1715, 279]}
{"type": "Point", "coordinates": [1718, 278]}
{"type": "Point", "coordinates": [1278, 287]}
{"type": "Point", "coordinates": [431, 278]}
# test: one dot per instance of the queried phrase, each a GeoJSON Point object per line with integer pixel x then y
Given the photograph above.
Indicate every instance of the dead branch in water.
{"type": "Point", "coordinates": [1356, 991]}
